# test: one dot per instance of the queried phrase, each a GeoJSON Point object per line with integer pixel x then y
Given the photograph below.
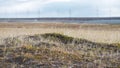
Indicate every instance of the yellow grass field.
{"type": "Point", "coordinates": [105, 33]}
{"type": "Point", "coordinates": [53, 45]}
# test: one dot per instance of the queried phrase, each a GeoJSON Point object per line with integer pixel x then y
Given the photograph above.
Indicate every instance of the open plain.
{"type": "Point", "coordinates": [106, 33]}
{"type": "Point", "coordinates": [59, 45]}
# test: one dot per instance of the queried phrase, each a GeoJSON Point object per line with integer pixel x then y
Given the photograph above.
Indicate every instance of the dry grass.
{"type": "Point", "coordinates": [57, 50]}
{"type": "Point", "coordinates": [95, 32]}
{"type": "Point", "coordinates": [42, 46]}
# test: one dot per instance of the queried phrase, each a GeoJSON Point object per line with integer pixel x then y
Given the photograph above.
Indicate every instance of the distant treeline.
{"type": "Point", "coordinates": [70, 19]}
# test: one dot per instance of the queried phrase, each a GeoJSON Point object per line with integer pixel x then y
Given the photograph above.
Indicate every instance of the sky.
{"type": "Point", "coordinates": [59, 8]}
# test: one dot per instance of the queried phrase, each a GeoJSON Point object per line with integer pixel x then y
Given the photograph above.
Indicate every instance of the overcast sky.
{"type": "Point", "coordinates": [59, 8]}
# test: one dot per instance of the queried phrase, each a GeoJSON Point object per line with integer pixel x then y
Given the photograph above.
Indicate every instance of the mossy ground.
{"type": "Point", "coordinates": [64, 51]}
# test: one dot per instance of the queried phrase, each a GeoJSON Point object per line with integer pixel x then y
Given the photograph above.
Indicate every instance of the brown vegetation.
{"type": "Point", "coordinates": [106, 33]}
{"type": "Point", "coordinates": [53, 50]}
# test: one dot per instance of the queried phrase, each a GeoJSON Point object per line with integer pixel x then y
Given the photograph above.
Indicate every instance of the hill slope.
{"type": "Point", "coordinates": [54, 50]}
